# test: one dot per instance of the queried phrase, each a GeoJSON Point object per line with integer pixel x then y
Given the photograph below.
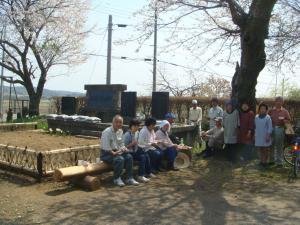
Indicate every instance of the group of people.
{"type": "Point", "coordinates": [241, 131]}
{"type": "Point", "coordinates": [147, 146]}
{"type": "Point", "coordinates": [236, 129]}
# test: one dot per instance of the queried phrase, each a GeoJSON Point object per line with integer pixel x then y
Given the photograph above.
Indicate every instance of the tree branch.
{"type": "Point", "coordinates": [237, 13]}
{"type": "Point", "coordinates": [10, 68]}
{"type": "Point", "coordinates": [13, 81]}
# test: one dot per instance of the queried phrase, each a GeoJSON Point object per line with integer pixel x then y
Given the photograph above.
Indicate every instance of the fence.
{"type": "Point", "coordinates": [40, 164]}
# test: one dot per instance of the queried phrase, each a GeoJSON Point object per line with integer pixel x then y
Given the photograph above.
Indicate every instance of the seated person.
{"type": "Point", "coordinates": [147, 142]}
{"type": "Point", "coordinates": [168, 149]}
{"type": "Point", "coordinates": [131, 143]}
{"type": "Point", "coordinates": [215, 137]}
{"type": "Point", "coordinates": [170, 117]}
{"type": "Point", "coordinates": [113, 151]}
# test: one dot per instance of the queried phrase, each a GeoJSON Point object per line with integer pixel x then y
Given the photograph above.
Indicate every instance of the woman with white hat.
{"type": "Point", "coordinates": [167, 147]}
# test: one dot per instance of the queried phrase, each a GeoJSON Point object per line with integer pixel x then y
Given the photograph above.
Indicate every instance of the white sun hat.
{"type": "Point", "coordinates": [182, 161]}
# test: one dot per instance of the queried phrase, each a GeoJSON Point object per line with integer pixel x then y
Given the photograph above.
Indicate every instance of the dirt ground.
{"type": "Point", "coordinates": [43, 141]}
{"type": "Point", "coordinates": [211, 192]}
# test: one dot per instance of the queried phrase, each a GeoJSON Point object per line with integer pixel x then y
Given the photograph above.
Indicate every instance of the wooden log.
{"type": "Point", "coordinates": [88, 182]}
{"type": "Point", "coordinates": [68, 173]}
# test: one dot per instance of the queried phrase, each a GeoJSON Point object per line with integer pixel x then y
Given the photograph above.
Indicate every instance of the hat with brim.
{"type": "Point", "coordinates": [219, 119]}
{"type": "Point", "coordinates": [182, 161]}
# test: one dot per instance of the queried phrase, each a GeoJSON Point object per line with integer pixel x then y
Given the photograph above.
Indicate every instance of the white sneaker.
{"type": "Point", "coordinates": [119, 182]}
{"type": "Point", "coordinates": [132, 181]}
{"type": "Point", "coordinates": [151, 175]}
{"type": "Point", "coordinates": [143, 179]}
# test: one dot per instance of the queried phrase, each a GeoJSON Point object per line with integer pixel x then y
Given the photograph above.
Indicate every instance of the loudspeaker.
{"type": "Point", "coordinates": [68, 105]}
{"type": "Point", "coordinates": [160, 104]}
{"type": "Point", "coordinates": [128, 104]}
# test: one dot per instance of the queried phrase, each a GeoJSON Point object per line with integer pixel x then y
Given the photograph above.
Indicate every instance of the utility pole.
{"type": "Point", "coordinates": [3, 35]}
{"type": "Point", "coordinates": [155, 51]}
{"type": "Point", "coordinates": [109, 42]}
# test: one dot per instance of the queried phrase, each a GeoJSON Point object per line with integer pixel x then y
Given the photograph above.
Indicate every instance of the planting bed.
{"type": "Point", "coordinates": [42, 141]}
{"type": "Point", "coordinates": [39, 153]}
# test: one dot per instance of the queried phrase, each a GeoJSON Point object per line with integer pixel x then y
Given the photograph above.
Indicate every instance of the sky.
{"type": "Point", "coordinates": [136, 74]}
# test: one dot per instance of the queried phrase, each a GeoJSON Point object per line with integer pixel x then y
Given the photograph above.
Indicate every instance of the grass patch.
{"type": "Point", "coordinates": [40, 120]}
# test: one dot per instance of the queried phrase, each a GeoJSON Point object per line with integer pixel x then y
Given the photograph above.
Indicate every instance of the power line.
{"type": "Point", "coordinates": [212, 72]}
{"type": "Point", "coordinates": [96, 60]}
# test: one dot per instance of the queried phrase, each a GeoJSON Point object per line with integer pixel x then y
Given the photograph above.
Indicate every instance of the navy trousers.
{"type": "Point", "coordinates": [144, 162]}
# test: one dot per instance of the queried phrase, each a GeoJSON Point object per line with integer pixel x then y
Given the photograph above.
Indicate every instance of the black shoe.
{"type": "Point", "coordinates": [207, 156]}
{"type": "Point", "coordinates": [279, 166]}
{"type": "Point", "coordinates": [271, 163]}
{"type": "Point", "coordinates": [161, 170]}
{"type": "Point", "coordinates": [262, 165]}
{"type": "Point", "coordinates": [174, 168]}
{"type": "Point", "coordinates": [154, 171]}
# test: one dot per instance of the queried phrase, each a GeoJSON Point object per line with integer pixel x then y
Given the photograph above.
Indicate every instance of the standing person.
{"type": "Point", "coordinates": [214, 112]}
{"type": "Point", "coordinates": [167, 147]}
{"type": "Point", "coordinates": [148, 143]}
{"type": "Point", "coordinates": [113, 151]}
{"type": "Point", "coordinates": [279, 116]}
{"type": "Point", "coordinates": [263, 131]}
{"type": "Point", "coordinates": [246, 131]}
{"type": "Point", "coordinates": [130, 141]}
{"type": "Point", "coordinates": [195, 114]}
{"type": "Point", "coordinates": [170, 117]}
{"type": "Point", "coordinates": [231, 123]}
{"type": "Point", "coordinates": [195, 117]}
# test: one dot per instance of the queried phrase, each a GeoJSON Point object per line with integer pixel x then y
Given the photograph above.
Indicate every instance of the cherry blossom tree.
{"type": "Point", "coordinates": [41, 34]}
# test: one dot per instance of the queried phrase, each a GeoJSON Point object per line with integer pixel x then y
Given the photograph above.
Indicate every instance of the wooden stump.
{"type": "Point", "coordinates": [88, 182]}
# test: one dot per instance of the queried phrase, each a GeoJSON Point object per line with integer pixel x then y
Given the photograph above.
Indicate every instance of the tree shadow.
{"type": "Point", "coordinates": [18, 179]}
{"type": "Point", "coordinates": [207, 193]}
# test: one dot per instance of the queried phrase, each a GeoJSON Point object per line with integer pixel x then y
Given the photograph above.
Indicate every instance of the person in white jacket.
{"type": "Point", "coordinates": [148, 143]}
{"type": "Point", "coordinates": [167, 147]}
{"type": "Point", "coordinates": [195, 118]}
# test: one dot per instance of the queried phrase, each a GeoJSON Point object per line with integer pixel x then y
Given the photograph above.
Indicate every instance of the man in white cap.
{"type": "Point", "coordinates": [214, 137]}
{"type": "Point", "coordinates": [195, 117]}
{"type": "Point", "coordinates": [195, 114]}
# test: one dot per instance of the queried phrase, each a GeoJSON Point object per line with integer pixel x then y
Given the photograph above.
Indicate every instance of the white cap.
{"type": "Point", "coordinates": [163, 123]}
{"type": "Point", "coordinates": [194, 102]}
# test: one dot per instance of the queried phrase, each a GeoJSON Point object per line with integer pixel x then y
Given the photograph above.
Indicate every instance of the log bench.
{"type": "Point", "coordinates": [81, 175]}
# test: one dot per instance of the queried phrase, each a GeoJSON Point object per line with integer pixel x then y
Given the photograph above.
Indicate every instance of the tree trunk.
{"type": "Point", "coordinates": [35, 95]}
{"type": "Point", "coordinates": [253, 56]}
{"type": "Point", "coordinates": [34, 103]}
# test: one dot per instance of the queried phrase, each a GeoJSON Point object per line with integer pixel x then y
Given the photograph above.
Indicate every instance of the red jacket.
{"type": "Point", "coordinates": [246, 124]}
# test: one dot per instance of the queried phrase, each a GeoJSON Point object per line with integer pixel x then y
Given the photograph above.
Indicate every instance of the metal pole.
{"type": "Point", "coordinates": [3, 35]}
{"type": "Point", "coordinates": [9, 101]}
{"type": "Point", "coordinates": [17, 99]}
{"type": "Point", "coordinates": [155, 51]}
{"type": "Point", "coordinates": [109, 41]}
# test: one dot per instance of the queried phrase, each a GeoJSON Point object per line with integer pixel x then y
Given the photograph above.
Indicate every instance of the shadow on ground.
{"type": "Point", "coordinates": [211, 192]}
{"type": "Point", "coordinates": [207, 193]}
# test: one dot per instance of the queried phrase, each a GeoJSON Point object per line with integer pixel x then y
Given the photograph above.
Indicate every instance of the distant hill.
{"type": "Point", "coordinates": [22, 93]}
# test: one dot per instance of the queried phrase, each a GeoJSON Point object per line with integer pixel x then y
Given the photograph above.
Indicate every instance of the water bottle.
{"type": "Point", "coordinates": [181, 141]}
